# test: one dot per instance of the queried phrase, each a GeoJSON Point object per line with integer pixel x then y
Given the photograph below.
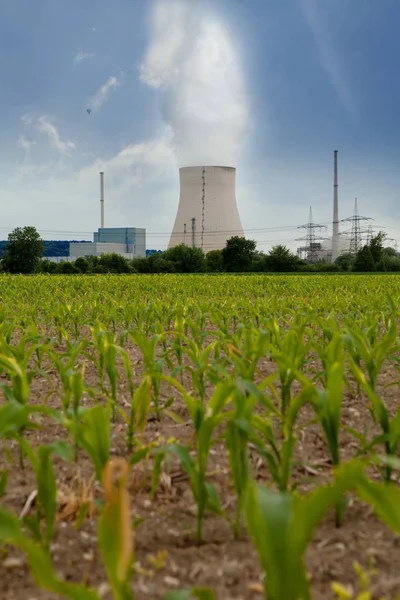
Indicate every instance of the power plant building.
{"type": "Point", "coordinates": [129, 242]}
{"type": "Point", "coordinates": [207, 212]}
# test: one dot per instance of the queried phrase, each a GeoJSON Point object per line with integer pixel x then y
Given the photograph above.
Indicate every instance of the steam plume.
{"type": "Point", "coordinates": [191, 59]}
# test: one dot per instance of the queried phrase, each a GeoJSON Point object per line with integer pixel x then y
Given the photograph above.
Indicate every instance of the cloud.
{"type": "Point", "coordinates": [26, 120]}
{"type": "Point", "coordinates": [25, 144]}
{"type": "Point", "coordinates": [192, 61]}
{"type": "Point", "coordinates": [81, 56]}
{"type": "Point", "coordinates": [329, 57]}
{"type": "Point", "coordinates": [46, 127]}
{"type": "Point", "coordinates": [103, 94]}
{"type": "Point", "coordinates": [142, 190]}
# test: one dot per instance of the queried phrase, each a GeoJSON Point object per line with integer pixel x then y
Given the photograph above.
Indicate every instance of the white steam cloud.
{"type": "Point", "coordinates": [192, 60]}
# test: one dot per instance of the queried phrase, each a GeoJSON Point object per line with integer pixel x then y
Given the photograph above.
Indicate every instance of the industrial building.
{"type": "Point", "coordinates": [129, 242]}
{"type": "Point", "coordinates": [207, 212]}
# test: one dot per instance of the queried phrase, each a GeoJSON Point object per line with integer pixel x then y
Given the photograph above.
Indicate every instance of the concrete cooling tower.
{"type": "Point", "coordinates": [207, 213]}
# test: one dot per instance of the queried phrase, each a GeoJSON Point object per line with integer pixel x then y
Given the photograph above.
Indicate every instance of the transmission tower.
{"type": "Point", "coordinates": [370, 234]}
{"type": "Point", "coordinates": [356, 232]}
{"type": "Point", "coordinates": [395, 244]}
{"type": "Point", "coordinates": [313, 240]}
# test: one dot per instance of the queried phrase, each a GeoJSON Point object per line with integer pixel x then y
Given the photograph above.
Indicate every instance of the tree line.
{"type": "Point", "coordinates": [24, 254]}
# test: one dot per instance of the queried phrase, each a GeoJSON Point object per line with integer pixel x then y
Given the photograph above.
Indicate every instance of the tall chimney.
{"type": "Point", "coordinates": [102, 200]}
{"type": "Point", "coordinates": [335, 223]}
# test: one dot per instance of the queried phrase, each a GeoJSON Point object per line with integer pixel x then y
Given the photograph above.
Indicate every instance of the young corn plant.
{"type": "Point", "coordinates": [200, 366]}
{"type": "Point", "coordinates": [42, 524]}
{"type": "Point", "coordinates": [39, 561]}
{"type": "Point", "coordinates": [153, 366]}
{"type": "Point", "coordinates": [289, 350]}
{"type": "Point", "coordinates": [281, 526]}
{"type": "Point", "coordinates": [66, 370]}
{"type": "Point", "coordinates": [277, 446]}
{"type": "Point", "coordinates": [99, 341]}
{"type": "Point", "coordinates": [390, 428]}
{"type": "Point", "coordinates": [327, 404]}
{"type": "Point", "coordinates": [94, 437]}
{"type": "Point", "coordinates": [110, 361]}
{"type": "Point", "coordinates": [373, 349]}
{"type": "Point", "coordinates": [246, 349]}
{"type": "Point", "coordinates": [17, 394]}
{"type": "Point", "coordinates": [237, 440]}
{"type": "Point", "coordinates": [115, 531]}
{"type": "Point", "coordinates": [205, 424]}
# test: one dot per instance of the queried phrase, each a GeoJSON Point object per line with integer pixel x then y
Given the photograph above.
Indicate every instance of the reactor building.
{"type": "Point", "coordinates": [207, 212]}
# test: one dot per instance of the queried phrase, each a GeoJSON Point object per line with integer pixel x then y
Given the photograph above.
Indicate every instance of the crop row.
{"type": "Point", "coordinates": [251, 360]}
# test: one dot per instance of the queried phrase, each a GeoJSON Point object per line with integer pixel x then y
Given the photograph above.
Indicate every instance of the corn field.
{"type": "Point", "coordinates": [173, 437]}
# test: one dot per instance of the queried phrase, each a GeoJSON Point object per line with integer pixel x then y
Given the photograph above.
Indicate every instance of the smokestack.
{"type": "Point", "coordinates": [335, 223]}
{"type": "Point", "coordinates": [102, 200]}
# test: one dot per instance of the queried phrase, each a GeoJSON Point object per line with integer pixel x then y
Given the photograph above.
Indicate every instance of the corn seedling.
{"type": "Point", "coordinates": [281, 525]}
{"type": "Point", "coordinates": [115, 529]}
{"type": "Point", "coordinates": [204, 493]}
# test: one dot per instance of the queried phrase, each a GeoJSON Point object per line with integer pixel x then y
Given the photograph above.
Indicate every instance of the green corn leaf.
{"type": "Point", "coordinates": [281, 525]}
{"type": "Point", "coordinates": [94, 436]}
{"type": "Point", "coordinates": [13, 417]}
{"type": "Point", "coordinates": [213, 502]}
{"type": "Point", "coordinates": [187, 463]}
{"type": "Point", "coordinates": [63, 450]}
{"type": "Point", "coordinates": [47, 491]}
{"type": "Point", "coordinates": [269, 517]}
{"type": "Point", "coordinates": [141, 402]}
{"type": "Point", "coordinates": [3, 482]}
{"type": "Point", "coordinates": [139, 455]}
{"type": "Point", "coordinates": [384, 498]}
{"type": "Point", "coordinates": [39, 561]}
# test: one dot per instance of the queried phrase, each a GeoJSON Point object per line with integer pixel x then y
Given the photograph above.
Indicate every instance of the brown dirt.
{"type": "Point", "coordinates": [229, 567]}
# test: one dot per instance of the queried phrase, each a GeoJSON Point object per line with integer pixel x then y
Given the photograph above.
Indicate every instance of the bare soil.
{"type": "Point", "coordinates": [167, 557]}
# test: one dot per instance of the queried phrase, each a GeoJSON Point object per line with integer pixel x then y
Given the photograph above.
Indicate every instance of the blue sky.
{"type": "Point", "coordinates": [314, 75]}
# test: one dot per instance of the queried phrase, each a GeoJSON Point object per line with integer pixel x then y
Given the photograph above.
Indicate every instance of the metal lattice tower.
{"type": "Point", "coordinates": [395, 244]}
{"type": "Point", "coordinates": [355, 239]}
{"type": "Point", "coordinates": [184, 234]}
{"type": "Point", "coordinates": [203, 200]}
{"type": "Point", "coordinates": [313, 240]}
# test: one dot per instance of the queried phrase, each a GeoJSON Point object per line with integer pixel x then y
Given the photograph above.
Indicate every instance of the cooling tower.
{"type": "Point", "coordinates": [207, 213]}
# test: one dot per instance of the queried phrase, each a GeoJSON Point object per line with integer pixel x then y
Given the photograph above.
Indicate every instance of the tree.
{"type": "Point", "coordinates": [345, 261]}
{"type": "Point", "coordinates": [281, 260]}
{"type": "Point", "coordinates": [214, 261]}
{"type": "Point", "coordinates": [82, 264]}
{"type": "Point", "coordinates": [185, 258]}
{"type": "Point", "coordinates": [238, 254]}
{"type": "Point", "coordinates": [46, 266]}
{"type": "Point", "coordinates": [67, 268]}
{"type": "Point", "coordinates": [114, 263]}
{"type": "Point", "coordinates": [24, 251]}
{"type": "Point", "coordinates": [390, 253]}
{"type": "Point", "coordinates": [376, 247]}
{"type": "Point", "coordinates": [364, 260]}
{"type": "Point", "coordinates": [259, 264]}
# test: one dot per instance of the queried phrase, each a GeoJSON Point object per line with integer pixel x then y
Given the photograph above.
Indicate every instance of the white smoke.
{"type": "Point", "coordinates": [191, 58]}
